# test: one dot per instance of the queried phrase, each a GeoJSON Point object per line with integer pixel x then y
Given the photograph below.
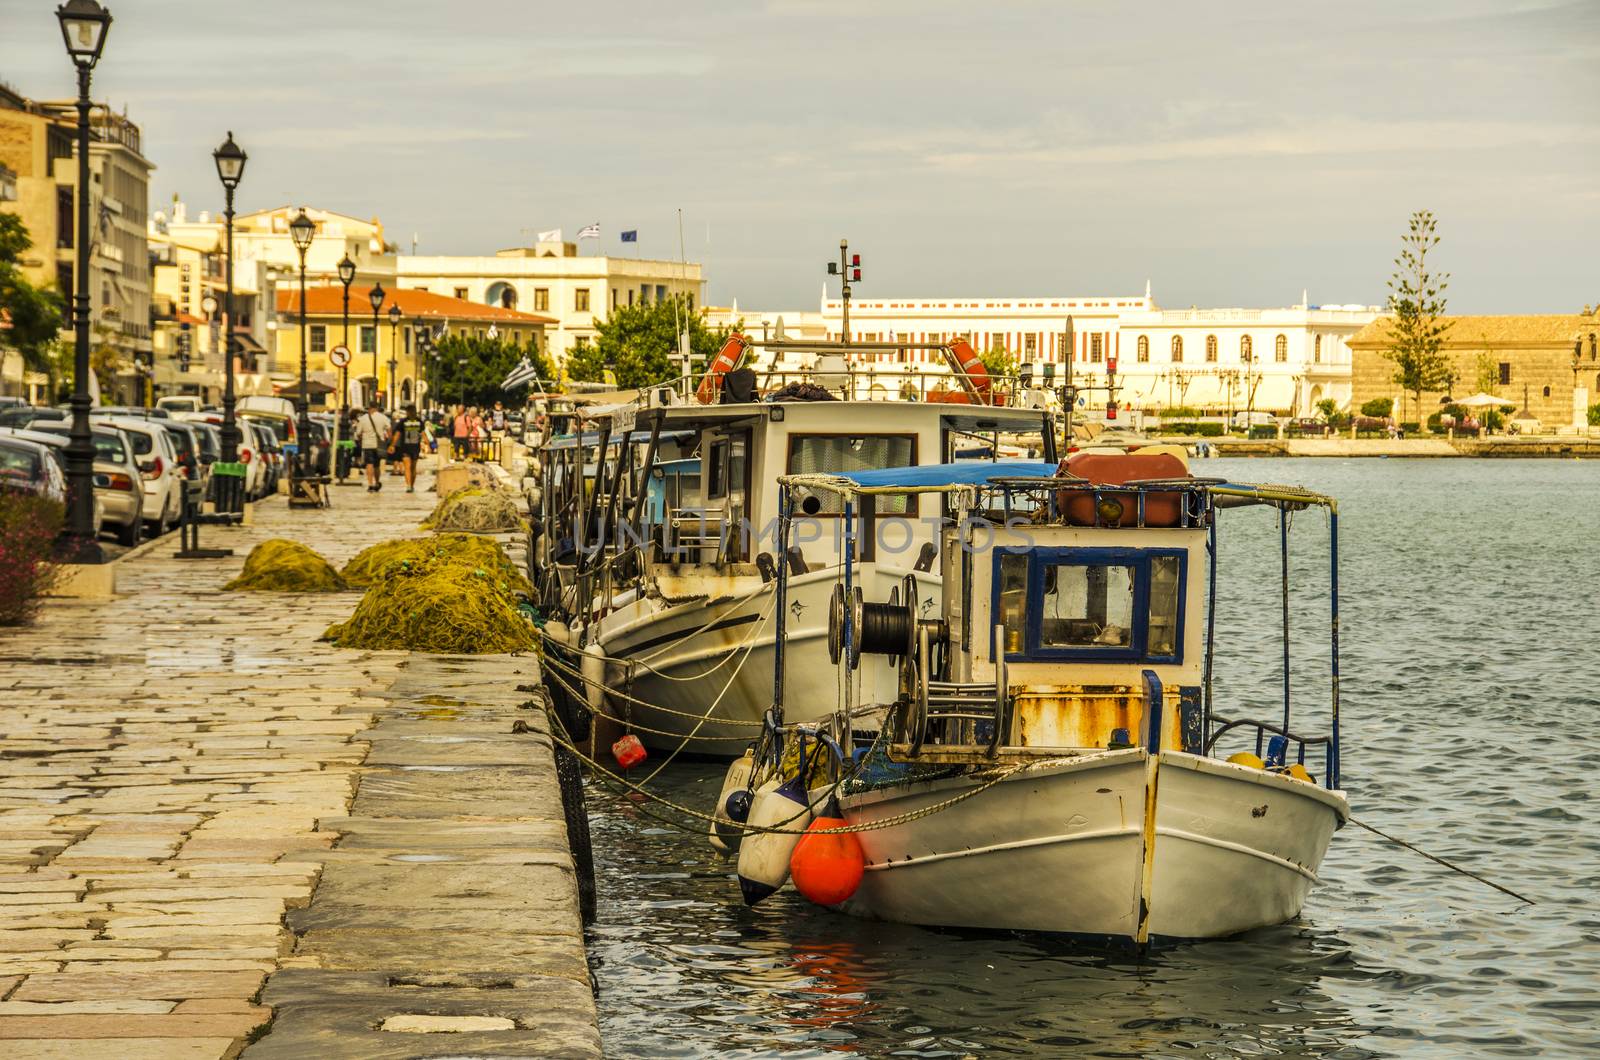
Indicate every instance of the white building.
{"type": "Point", "coordinates": [550, 279]}
{"type": "Point", "coordinates": [1212, 360]}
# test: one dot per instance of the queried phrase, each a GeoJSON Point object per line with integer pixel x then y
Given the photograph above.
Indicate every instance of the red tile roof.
{"type": "Point", "coordinates": [328, 300]}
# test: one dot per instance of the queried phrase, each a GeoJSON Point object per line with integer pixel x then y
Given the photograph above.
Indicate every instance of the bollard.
{"type": "Point", "coordinates": [189, 525]}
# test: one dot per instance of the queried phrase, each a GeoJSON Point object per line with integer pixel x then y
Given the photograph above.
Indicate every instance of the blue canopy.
{"type": "Point", "coordinates": [965, 473]}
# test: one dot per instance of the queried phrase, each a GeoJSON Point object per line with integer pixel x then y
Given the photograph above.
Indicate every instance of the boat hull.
{"type": "Point", "coordinates": [684, 656]}
{"type": "Point", "coordinates": [1112, 844]}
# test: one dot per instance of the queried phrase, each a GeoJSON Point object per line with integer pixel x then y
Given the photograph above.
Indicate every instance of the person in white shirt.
{"type": "Point", "coordinates": [372, 435]}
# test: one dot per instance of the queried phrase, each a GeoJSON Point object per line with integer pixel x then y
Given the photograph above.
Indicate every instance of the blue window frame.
{"type": "Point", "coordinates": [1091, 604]}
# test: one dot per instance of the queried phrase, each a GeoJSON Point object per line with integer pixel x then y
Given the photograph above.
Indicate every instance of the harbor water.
{"type": "Point", "coordinates": [1471, 696]}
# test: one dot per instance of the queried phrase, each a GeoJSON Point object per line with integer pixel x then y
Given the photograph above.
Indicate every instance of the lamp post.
{"type": "Point", "coordinates": [302, 230]}
{"type": "Point", "coordinates": [347, 275]}
{"type": "Point", "coordinates": [230, 159]}
{"type": "Point", "coordinates": [394, 352]}
{"type": "Point", "coordinates": [84, 25]}
{"type": "Point", "coordinates": [375, 296]}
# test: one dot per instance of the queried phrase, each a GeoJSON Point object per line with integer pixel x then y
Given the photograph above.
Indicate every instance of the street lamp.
{"type": "Point", "coordinates": [302, 230]}
{"type": "Point", "coordinates": [84, 25]}
{"type": "Point", "coordinates": [394, 350]}
{"type": "Point", "coordinates": [347, 276]}
{"type": "Point", "coordinates": [375, 296]}
{"type": "Point", "coordinates": [230, 159]}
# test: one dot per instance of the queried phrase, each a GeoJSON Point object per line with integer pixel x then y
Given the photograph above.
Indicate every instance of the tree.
{"type": "Point", "coordinates": [1416, 299]}
{"type": "Point", "coordinates": [33, 313]}
{"type": "Point", "coordinates": [585, 364]}
{"type": "Point", "coordinates": [997, 361]}
{"type": "Point", "coordinates": [1488, 370]}
{"type": "Point", "coordinates": [1330, 408]}
{"type": "Point", "coordinates": [487, 363]}
{"type": "Point", "coordinates": [640, 342]}
{"type": "Point", "coordinates": [1378, 408]}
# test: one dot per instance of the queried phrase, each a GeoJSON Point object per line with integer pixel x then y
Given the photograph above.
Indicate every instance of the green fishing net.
{"type": "Point", "coordinates": [286, 567]}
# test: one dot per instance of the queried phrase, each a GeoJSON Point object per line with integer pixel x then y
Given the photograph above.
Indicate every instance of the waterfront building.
{"type": "Point", "coordinates": [1210, 360]}
{"type": "Point", "coordinates": [1547, 366]}
{"type": "Point", "coordinates": [385, 356]}
{"type": "Point", "coordinates": [38, 146]}
{"type": "Point", "coordinates": [550, 278]}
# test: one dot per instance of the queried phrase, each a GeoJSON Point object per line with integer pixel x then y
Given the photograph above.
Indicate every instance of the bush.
{"type": "Point", "coordinates": [28, 529]}
{"type": "Point", "coordinates": [1594, 415]}
{"type": "Point", "coordinates": [1204, 430]}
{"type": "Point", "coordinates": [1378, 407]}
{"type": "Point", "coordinates": [1264, 430]}
{"type": "Point", "coordinates": [1180, 412]}
{"type": "Point", "coordinates": [1411, 428]}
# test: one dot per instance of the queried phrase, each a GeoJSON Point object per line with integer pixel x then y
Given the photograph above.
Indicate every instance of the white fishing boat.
{"type": "Point", "coordinates": [1051, 760]}
{"type": "Point", "coordinates": [659, 549]}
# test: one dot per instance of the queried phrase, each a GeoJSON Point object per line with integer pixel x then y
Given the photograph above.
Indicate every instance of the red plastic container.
{"type": "Point", "coordinates": [1114, 469]}
{"type": "Point", "coordinates": [628, 751]}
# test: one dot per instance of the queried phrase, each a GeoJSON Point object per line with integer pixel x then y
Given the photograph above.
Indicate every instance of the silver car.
{"type": "Point", "coordinates": [158, 466]}
{"type": "Point", "coordinates": [117, 481]}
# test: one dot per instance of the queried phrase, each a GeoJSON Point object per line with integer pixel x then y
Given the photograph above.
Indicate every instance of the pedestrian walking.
{"type": "Point", "coordinates": [405, 443]}
{"type": "Point", "coordinates": [372, 431]}
{"type": "Point", "coordinates": [460, 432]}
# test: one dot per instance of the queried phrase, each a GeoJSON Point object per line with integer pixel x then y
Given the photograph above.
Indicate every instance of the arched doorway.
{"type": "Point", "coordinates": [405, 391]}
{"type": "Point", "coordinates": [502, 294]}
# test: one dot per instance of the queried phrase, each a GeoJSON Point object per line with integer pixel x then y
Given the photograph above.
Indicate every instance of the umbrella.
{"type": "Point", "coordinates": [313, 386]}
{"type": "Point", "coordinates": [1483, 401]}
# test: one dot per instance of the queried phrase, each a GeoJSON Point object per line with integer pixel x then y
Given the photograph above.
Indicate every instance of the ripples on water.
{"type": "Point", "coordinates": [1471, 663]}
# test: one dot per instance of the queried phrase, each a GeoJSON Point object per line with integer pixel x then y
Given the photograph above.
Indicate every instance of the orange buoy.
{"type": "Point", "coordinates": [629, 751]}
{"type": "Point", "coordinates": [827, 867]}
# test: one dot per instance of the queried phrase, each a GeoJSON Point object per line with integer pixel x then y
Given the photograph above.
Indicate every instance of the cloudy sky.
{"type": "Point", "coordinates": [1233, 153]}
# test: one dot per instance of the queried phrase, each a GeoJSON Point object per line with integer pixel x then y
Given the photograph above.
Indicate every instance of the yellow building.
{"type": "Point", "coordinates": [1547, 366]}
{"type": "Point", "coordinates": [384, 354]}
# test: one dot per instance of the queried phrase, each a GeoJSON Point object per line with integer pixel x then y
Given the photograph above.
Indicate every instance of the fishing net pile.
{"type": "Point", "coordinates": [476, 511]}
{"type": "Point", "coordinates": [452, 594]}
{"type": "Point", "coordinates": [286, 567]}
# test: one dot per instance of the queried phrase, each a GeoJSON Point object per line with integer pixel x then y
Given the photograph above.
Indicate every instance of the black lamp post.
{"type": "Point", "coordinates": [394, 351]}
{"type": "Point", "coordinates": [84, 25]}
{"type": "Point", "coordinates": [347, 275]}
{"type": "Point", "coordinates": [302, 230]}
{"type": "Point", "coordinates": [230, 159]}
{"type": "Point", "coordinates": [375, 296]}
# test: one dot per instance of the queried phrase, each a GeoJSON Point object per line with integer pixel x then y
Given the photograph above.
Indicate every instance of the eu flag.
{"type": "Point", "coordinates": [631, 236]}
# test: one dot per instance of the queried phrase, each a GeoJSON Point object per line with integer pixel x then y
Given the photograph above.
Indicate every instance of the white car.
{"type": "Point", "coordinates": [249, 448]}
{"type": "Point", "coordinates": [158, 463]}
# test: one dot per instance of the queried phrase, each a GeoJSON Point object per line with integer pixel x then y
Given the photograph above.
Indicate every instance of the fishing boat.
{"type": "Point", "coordinates": [1053, 758]}
{"type": "Point", "coordinates": [659, 555]}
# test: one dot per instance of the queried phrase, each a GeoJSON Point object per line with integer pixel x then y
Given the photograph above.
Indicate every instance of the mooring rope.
{"type": "Point", "coordinates": [1449, 865]}
{"type": "Point", "coordinates": [618, 693]}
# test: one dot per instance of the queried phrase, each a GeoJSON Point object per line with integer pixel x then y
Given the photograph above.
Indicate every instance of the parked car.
{"type": "Point", "coordinates": [270, 443]}
{"type": "Point", "coordinates": [117, 481]}
{"type": "Point", "coordinates": [23, 415]}
{"type": "Point", "coordinates": [177, 403]}
{"type": "Point", "coordinates": [50, 478]}
{"type": "Point", "coordinates": [186, 443]}
{"type": "Point", "coordinates": [158, 465]}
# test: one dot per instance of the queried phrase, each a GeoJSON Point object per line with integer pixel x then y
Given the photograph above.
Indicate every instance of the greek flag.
{"type": "Point", "coordinates": [631, 236]}
{"type": "Point", "coordinates": [523, 374]}
{"type": "Point", "coordinates": [551, 236]}
{"type": "Point", "coordinates": [590, 231]}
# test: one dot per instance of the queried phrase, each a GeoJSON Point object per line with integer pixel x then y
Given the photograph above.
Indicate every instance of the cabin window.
{"type": "Point", "coordinates": [717, 466]}
{"type": "Point", "coordinates": [1087, 605]}
{"type": "Point", "coordinates": [812, 454]}
{"type": "Point", "coordinates": [1091, 603]}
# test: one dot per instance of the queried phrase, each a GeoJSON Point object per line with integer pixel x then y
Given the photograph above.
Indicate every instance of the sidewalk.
{"type": "Point", "coordinates": [180, 767]}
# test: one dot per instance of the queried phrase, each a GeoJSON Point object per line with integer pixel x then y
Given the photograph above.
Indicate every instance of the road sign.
{"type": "Point", "coordinates": [339, 355]}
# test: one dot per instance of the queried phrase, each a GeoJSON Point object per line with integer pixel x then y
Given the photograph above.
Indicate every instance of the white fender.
{"type": "Point", "coordinates": [535, 497]}
{"type": "Point", "coordinates": [593, 668]}
{"type": "Point", "coordinates": [557, 631]}
{"type": "Point", "coordinates": [725, 832]}
{"type": "Point", "coordinates": [764, 856]}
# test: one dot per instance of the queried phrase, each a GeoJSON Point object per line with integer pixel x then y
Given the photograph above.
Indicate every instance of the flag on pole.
{"type": "Point", "coordinates": [590, 231]}
{"type": "Point", "coordinates": [552, 236]}
{"type": "Point", "coordinates": [631, 236]}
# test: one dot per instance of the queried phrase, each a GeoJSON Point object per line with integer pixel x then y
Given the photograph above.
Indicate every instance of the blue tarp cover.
{"type": "Point", "coordinates": [966, 472]}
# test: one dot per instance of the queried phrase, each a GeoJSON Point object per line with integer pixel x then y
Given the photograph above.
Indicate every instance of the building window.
{"type": "Point", "coordinates": [541, 299]}
{"type": "Point", "coordinates": [319, 338]}
{"type": "Point", "coordinates": [644, 294]}
{"type": "Point", "coordinates": [369, 339]}
{"type": "Point", "coordinates": [1591, 346]}
{"type": "Point", "coordinates": [1211, 348]}
{"type": "Point", "coordinates": [1280, 348]}
{"type": "Point", "coordinates": [661, 292]}
{"type": "Point", "coordinates": [1096, 348]}
{"type": "Point", "coordinates": [1177, 349]}
{"type": "Point", "coordinates": [580, 300]}
{"type": "Point", "coordinates": [1546, 391]}
{"type": "Point", "coordinates": [1505, 373]}
{"type": "Point", "coordinates": [1316, 350]}
{"type": "Point", "coordinates": [1030, 344]}
{"type": "Point", "coordinates": [1591, 337]}
{"type": "Point", "coordinates": [1247, 349]}
{"type": "Point", "coordinates": [1144, 349]}
{"type": "Point", "coordinates": [461, 293]}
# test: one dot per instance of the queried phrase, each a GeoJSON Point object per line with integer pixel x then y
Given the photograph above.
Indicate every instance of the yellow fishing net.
{"type": "Point", "coordinates": [287, 567]}
{"type": "Point", "coordinates": [453, 595]}
{"type": "Point", "coordinates": [477, 511]}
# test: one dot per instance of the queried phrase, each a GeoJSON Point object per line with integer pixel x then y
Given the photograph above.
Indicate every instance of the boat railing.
{"type": "Point", "coordinates": [1274, 751]}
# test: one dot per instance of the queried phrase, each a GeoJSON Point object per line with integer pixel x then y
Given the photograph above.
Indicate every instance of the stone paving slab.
{"type": "Point", "coordinates": [178, 768]}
